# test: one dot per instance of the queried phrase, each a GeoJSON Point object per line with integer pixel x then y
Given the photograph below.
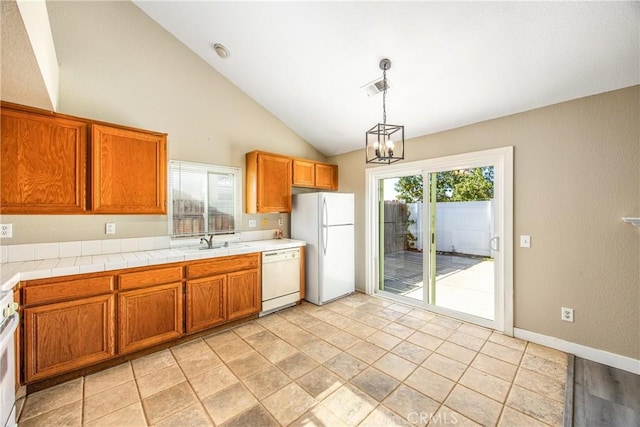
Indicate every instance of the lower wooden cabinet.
{"type": "Point", "coordinates": [206, 303]}
{"type": "Point", "coordinates": [149, 316]}
{"type": "Point", "coordinates": [219, 298]}
{"type": "Point", "coordinates": [244, 294]}
{"type": "Point", "coordinates": [78, 321]}
{"type": "Point", "coordinates": [69, 335]}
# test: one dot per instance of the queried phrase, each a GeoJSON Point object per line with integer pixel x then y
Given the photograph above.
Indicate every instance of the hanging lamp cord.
{"type": "Point", "coordinates": [384, 97]}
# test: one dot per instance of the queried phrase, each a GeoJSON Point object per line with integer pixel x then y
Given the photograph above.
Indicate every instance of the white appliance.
{"type": "Point", "coordinates": [8, 324]}
{"type": "Point", "coordinates": [280, 279]}
{"type": "Point", "coordinates": [325, 221]}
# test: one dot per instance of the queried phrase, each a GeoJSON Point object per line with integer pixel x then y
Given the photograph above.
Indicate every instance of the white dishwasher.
{"type": "Point", "coordinates": [280, 279]}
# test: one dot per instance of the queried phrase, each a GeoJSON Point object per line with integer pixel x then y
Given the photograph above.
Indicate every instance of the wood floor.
{"type": "Point", "coordinates": [603, 396]}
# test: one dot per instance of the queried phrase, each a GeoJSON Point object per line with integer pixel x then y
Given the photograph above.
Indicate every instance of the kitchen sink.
{"type": "Point", "coordinates": [231, 245]}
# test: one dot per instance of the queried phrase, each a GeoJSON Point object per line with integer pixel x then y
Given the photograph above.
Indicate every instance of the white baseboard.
{"type": "Point", "coordinates": [611, 359]}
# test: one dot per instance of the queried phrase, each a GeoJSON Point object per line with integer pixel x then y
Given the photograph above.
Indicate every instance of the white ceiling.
{"type": "Point", "coordinates": [453, 63]}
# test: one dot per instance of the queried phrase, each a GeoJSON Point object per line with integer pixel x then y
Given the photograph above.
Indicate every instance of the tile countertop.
{"type": "Point", "coordinates": [11, 273]}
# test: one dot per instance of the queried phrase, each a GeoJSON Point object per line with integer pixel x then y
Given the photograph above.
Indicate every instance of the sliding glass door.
{"type": "Point", "coordinates": [438, 234]}
{"type": "Point", "coordinates": [400, 237]}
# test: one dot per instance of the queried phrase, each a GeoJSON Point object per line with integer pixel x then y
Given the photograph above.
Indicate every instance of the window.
{"type": "Point", "coordinates": [204, 199]}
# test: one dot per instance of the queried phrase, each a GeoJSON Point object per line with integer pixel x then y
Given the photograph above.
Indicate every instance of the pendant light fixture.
{"type": "Point", "coordinates": [384, 142]}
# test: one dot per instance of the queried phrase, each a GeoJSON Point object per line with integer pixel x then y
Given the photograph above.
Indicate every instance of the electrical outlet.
{"type": "Point", "coordinates": [6, 231]}
{"type": "Point", "coordinates": [110, 228]}
{"type": "Point", "coordinates": [252, 223]}
{"type": "Point", "coordinates": [265, 222]}
{"type": "Point", "coordinates": [525, 241]}
{"type": "Point", "coordinates": [280, 221]}
{"type": "Point", "coordinates": [567, 314]}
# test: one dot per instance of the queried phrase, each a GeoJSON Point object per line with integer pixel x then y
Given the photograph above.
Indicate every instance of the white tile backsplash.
{"type": "Point", "coordinates": [111, 246]}
{"type": "Point", "coordinates": [162, 242]}
{"type": "Point", "coordinates": [69, 249]}
{"type": "Point", "coordinates": [47, 264]}
{"type": "Point", "coordinates": [18, 253]}
{"type": "Point", "coordinates": [46, 250]}
{"type": "Point", "coordinates": [146, 243]}
{"type": "Point", "coordinates": [129, 245]}
{"type": "Point", "coordinates": [91, 247]}
{"type": "Point", "coordinates": [268, 234]}
{"type": "Point", "coordinates": [247, 236]}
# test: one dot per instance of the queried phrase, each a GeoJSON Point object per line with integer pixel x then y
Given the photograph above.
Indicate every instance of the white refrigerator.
{"type": "Point", "coordinates": [325, 221]}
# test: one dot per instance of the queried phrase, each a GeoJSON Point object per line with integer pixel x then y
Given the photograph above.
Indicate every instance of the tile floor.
{"type": "Point", "coordinates": [359, 361]}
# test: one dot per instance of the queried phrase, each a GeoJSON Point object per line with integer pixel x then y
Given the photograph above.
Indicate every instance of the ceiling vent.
{"type": "Point", "coordinates": [375, 87]}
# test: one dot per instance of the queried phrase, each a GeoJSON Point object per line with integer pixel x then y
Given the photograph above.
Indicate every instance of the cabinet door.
{"type": "Point", "coordinates": [244, 296]}
{"type": "Point", "coordinates": [205, 302]}
{"type": "Point", "coordinates": [149, 316]}
{"type": "Point", "coordinates": [303, 173]}
{"type": "Point", "coordinates": [66, 336]}
{"type": "Point", "coordinates": [268, 183]}
{"type": "Point", "coordinates": [326, 176]}
{"type": "Point", "coordinates": [43, 164]}
{"type": "Point", "coordinates": [129, 171]}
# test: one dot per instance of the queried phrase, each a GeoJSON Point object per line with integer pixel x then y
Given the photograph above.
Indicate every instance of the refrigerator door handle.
{"type": "Point", "coordinates": [325, 227]}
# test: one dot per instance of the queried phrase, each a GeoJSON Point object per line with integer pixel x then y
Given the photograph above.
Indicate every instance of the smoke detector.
{"type": "Point", "coordinates": [222, 51]}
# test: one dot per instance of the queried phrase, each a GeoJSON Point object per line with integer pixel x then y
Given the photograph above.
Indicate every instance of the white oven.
{"type": "Point", "coordinates": [8, 324]}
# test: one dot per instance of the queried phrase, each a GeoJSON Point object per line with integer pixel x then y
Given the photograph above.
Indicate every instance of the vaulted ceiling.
{"type": "Point", "coordinates": [453, 63]}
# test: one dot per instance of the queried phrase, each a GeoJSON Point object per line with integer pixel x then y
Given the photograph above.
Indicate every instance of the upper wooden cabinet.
{"type": "Point", "coordinates": [129, 171]}
{"type": "Point", "coordinates": [307, 173]}
{"type": "Point", "coordinates": [58, 164]}
{"type": "Point", "coordinates": [304, 173]}
{"type": "Point", "coordinates": [43, 167]}
{"type": "Point", "coordinates": [268, 183]}
{"type": "Point", "coordinates": [326, 176]}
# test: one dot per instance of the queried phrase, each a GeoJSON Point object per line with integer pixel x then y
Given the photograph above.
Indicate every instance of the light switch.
{"type": "Point", "coordinates": [525, 241]}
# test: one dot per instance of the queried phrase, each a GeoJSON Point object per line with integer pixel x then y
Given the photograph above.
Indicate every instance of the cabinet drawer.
{"type": "Point", "coordinates": [223, 265]}
{"type": "Point", "coordinates": [150, 277]}
{"type": "Point", "coordinates": [71, 289]}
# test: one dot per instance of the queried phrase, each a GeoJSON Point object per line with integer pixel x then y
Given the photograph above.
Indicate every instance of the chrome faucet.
{"type": "Point", "coordinates": [208, 241]}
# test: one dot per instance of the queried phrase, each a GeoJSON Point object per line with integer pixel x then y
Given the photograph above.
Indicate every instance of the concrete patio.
{"type": "Point", "coordinates": [463, 283]}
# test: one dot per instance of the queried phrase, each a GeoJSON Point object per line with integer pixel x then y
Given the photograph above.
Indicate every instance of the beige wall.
{"type": "Point", "coordinates": [576, 174]}
{"type": "Point", "coordinates": [119, 66]}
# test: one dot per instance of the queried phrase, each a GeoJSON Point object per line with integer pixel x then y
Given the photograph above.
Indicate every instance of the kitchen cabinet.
{"type": "Point", "coordinates": [206, 303]}
{"type": "Point", "coordinates": [58, 164]}
{"type": "Point", "coordinates": [304, 173]}
{"type": "Point", "coordinates": [268, 183]}
{"type": "Point", "coordinates": [81, 320]}
{"type": "Point", "coordinates": [310, 174]}
{"type": "Point", "coordinates": [244, 294]}
{"type": "Point", "coordinates": [221, 290]}
{"type": "Point", "coordinates": [152, 313]}
{"type": "Point", "coordinates": [129, 171]}
{"type": "Point", "coordinates": [68, 324]}
{"type": "Point", "coordinates": [43, 164]}
{"type": "Point", "coordinates": [326, 176]}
